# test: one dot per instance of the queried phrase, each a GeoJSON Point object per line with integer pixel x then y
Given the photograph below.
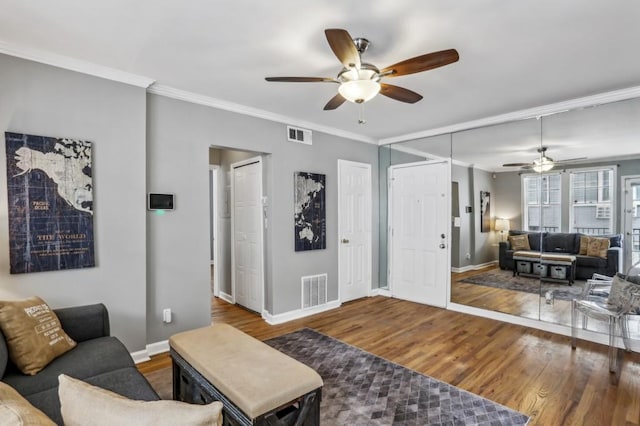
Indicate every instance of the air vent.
{"type": "Point", "coordinates": [296, 134]}
{"type": "Point", "coordinates": [603, 211]}
{"type": "Point", "coordinates": [314, 291]}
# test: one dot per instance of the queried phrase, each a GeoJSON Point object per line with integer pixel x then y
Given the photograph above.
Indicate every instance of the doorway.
{"type": "Point", "coordinates": [214, 198]}
{"type": "Point", "coordinates": [354, 229]}
{"type": "Point", "coordinates": [247, 254]}
{"type": "Point", "coordinates": [419, 218]}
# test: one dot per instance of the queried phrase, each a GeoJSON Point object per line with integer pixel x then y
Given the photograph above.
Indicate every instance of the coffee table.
{"type": "Point", "coordinates": [546, 264]}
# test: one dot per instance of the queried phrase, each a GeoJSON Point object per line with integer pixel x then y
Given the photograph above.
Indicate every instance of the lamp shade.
{"type": "Point", "coordinates": [502, 225]}
{"type": "Point", "coordinates": [359, 91]}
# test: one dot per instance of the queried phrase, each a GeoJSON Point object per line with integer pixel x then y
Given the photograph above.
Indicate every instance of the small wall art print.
{"type": "Point", "coordinates": [485, 211]}
{"type": "Point", "coordinates": [310, 226]}
{"type": "Point", "coordinates": [50, 194]}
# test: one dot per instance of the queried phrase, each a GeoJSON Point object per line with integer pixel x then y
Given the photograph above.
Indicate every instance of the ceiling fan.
{"type": "Point", "coordinates": [544, 163]}
{"type": "Point", "coordinates": [360, 81]}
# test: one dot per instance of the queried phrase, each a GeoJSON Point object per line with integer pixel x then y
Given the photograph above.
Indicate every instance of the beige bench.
{"type": "Point", "coordinates": [257, 384]}
{"type": "Point", "coordinates": [547, 263]}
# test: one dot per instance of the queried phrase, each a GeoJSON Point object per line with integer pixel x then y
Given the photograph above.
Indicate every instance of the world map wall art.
{"type": "Point", "coordinates": [50, 194]}
{"type": "Point", "coordinates": [309, 211]}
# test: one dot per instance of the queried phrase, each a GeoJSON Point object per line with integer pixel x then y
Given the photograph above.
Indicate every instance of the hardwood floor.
{"type": "Point", "coordinates": [529, 370]}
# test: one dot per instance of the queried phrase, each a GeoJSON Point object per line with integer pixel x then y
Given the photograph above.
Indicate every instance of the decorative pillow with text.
{"type": "Point", "coordinates": [33, 333]}
{"type": "Point", "coordinates": [598, 247]}
{"type": "Point", "coordinates": [519, 242]}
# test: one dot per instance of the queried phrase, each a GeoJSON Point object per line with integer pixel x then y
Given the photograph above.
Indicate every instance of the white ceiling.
{"type": "Point", "coordinates": [513, 54]}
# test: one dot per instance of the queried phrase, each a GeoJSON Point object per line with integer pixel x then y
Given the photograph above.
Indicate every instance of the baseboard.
{"type": "Point", "coordinates": [380, 292]}
{"type": "Point", "coordinates": [473, 267]}
{"type": "Point", "coordinates": [298, 313]}
{"type": "Point", "coordinates": [226, 297]}
{"type": "Point", "coordinates": [151, 350]}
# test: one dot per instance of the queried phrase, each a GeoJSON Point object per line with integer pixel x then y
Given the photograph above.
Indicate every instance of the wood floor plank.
{"type": "Point", "coordinates": [529, 370]}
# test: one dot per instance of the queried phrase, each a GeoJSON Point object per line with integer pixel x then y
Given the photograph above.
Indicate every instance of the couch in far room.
{"type": "Point", "coordinates": [607, 260]}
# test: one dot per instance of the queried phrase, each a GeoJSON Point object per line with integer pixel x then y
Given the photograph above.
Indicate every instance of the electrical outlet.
{"type": "Point", "coordinates": [467, 256]}
{"type": "Point", "coordinates": [166, 315]}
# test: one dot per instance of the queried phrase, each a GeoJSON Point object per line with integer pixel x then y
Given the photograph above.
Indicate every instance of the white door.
{"type": "Point", "coordinates": [631, 220]}
{"type": "Point", "coordinates": [247, 279]}
{"type": "Point", "coordinates": [419, 232]}
{"type": "Point", "coordinates": [354, 229]}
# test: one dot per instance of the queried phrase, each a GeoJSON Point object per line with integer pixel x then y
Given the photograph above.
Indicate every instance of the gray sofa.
{"type": "Point", "coordinates": [568, 243]}
{"type": "Point", "coordinates": [99, 359]}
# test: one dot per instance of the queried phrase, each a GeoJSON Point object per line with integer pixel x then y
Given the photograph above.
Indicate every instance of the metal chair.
{"type": "Point", "coordinates": [608, 299]}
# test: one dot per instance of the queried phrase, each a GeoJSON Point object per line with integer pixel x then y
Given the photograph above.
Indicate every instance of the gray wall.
{"type": "Point", "coordinates": [48, 101]}
{"type": "Point", "coordinates": [508, 198]}
{"type": "Point", "coordinates": [180, 135]}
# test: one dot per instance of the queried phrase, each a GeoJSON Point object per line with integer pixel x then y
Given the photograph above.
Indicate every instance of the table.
{"type": "Point", "coordinates": [257, 384]}
{"type": "Point", "coordinates": [547, 264]}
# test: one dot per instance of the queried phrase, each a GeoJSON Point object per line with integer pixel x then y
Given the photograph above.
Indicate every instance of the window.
{"type": "Point", "coordinates": [542, 202]}
{"type": "Point", "coordinates": [591, 194]}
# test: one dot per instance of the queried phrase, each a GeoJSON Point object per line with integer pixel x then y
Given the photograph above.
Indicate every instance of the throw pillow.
{"type": "Point", "coordinates": [620, 293]}
{"type": "Point", "coordinates": [584, 245]}
{"type": "Point", "coordinates": [85, 404]}
{"type": "Point", "coordinates": [519, 242]}
{"type": "Point", "coordinates": [33, 333]}
{"type": "Point", "coordinates": [598, 247]}
{"type": "Point", "coordinates": [16, 411]}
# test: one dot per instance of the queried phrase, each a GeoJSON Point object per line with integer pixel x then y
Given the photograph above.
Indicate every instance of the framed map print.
{"type": "Point", "coordinates": [310, 228]}
{"type": "Point", "coordinates": [50, 195]}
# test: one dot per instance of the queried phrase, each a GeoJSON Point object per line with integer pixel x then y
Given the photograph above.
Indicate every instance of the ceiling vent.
{"type": "Point", "coordinates": [296, 134]}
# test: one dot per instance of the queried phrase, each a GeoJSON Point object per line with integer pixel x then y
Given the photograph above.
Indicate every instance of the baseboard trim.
{"type": "Point", "coordinates": [298, 313]}
{"type": "Point", "coordinates": [473, 267]}
{"type": "Point", "coordinates": [380, 292]}
{"type": "Point", "coordinates": [226, 297]}
{"type": "Point", "coordinates": [151, 350]}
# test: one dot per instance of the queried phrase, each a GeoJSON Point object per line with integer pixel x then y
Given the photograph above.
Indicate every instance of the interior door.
{"type": "Point", "coordinates": [419, 217]}
{"type": "Point", "coordinates": [631, 220]}
{"type": "Point", "coordinates": [246, 224]}
{"type": "Point", "coordinates": [354, 229]}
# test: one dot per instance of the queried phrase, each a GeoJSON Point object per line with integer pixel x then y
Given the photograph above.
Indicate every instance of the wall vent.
{"type": "Point", "coordinates": [314, 291]}
{"type": "Point", "coordinates": [296, 134]}
{"type": "Point", "coordinates": [603, 211]}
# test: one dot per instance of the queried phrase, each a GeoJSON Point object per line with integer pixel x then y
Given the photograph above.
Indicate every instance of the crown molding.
{"type": "Point", "coordinates": [171, 92]}
{"type": "Point", "coordinates": [536, 112]}
{"type": "Point", "coordinates": [76, 65]}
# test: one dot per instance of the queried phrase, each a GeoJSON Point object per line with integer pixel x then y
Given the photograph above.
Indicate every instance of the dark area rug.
{"type": "Point", "coordinates": [363, 389]}
{"type": "Point", "coordinates": [498, 278]}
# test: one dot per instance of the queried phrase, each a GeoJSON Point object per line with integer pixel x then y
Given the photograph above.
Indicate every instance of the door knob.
{"type": "Point", "coordinates": [442, 246]}
{"type": "Point", "coordinates": [345, 241]}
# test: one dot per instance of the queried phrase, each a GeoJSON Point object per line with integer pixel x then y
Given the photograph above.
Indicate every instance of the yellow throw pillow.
{"type": "Point", "coordinates": [16, 411]}
{"type": "Point", "coordinates": [519, 242]}
{"type": "Point", "coordinates": [584, 245]}
{"type": "Point", "coordinates": [83, 404]}
{"type": "Point", "coordinates": [598, 247]}
{"type": "Point", "coordinates": [33, 333]}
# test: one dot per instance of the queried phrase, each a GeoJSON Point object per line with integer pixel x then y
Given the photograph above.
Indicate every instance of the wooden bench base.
{"type": "Point", "coordinates": [189, 386]}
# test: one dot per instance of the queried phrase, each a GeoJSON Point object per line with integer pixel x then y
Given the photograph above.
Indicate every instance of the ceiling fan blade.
{"type": "Point", "coordinates": [571, 160]}
{"type": "Point", "coordinates": [335, 102]}
{"type": "Point", "coordinates": [516, 165]}
{"type": "Point", "coordinates": [343, 47]}
{"type": "Point", "coordinates": [399, 93]}
{"type": "Point", "coordinates": [301, 79]}
{"type": "Point", "coordinates": [422, 63]}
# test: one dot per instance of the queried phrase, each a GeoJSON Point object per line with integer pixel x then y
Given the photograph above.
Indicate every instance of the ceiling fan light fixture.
{"type": "Point", "coordinates": [359, 91]}
{"type": "Point", "coordinates": [542, 165]}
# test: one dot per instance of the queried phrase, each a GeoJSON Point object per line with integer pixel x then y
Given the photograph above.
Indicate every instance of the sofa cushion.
{"type": "Point", "coordinates": [535, 240]}
{"type": "Point", "coordinates": [15, 410]}
{"type": "Point", "coordinates": [519, 242]}
{"type": "Point", "coordinates": [126, 382]}
{"type": "Point", "coordinates": [590, 262]}
{"type": "Point", "coordinates": [87, 359]}
{"type": "Point", "coordinates": [33, 332]}
{"type": "Point", "coordinates": [560, 242]}
{"type": "Point", "coordinates": [83, 404]}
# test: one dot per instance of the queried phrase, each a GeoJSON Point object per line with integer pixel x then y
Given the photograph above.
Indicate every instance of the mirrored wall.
{"type": "Point", "coordinates": [536, 185]}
